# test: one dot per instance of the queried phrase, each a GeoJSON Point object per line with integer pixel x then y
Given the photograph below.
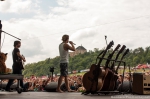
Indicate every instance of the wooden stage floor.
{"type": "Point", "coordinates": [66, 95]}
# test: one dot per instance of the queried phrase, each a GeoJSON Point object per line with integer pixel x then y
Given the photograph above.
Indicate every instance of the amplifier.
{"type": "Point", "coordinates": [141, 84]}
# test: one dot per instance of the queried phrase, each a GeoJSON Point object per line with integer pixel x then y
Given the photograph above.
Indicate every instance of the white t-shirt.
{"type": "Point", "coordinates": [64, 55]}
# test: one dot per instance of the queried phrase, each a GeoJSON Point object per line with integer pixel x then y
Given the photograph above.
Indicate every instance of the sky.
{"type": "Point", "coordinates": [41, 23]}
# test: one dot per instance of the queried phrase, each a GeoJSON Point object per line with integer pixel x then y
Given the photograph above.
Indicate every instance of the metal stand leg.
{"type": "Point", "coordinates": [19, 89]}
{"type": "Point", "coordinates": [18, 84]}
{"type": "Point", "coordinates": [1, 84]}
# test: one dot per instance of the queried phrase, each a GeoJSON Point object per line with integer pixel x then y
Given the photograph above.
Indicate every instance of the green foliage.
{"type": "Point", "coordinates": [84, 61]}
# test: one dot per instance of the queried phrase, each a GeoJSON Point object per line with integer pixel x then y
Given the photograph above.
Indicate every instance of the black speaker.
{"type": "Point", "coordinates": [125, 87]}
{"type": "Point", "coordinates": [3, 85]}
{"type": "Point", "coordinates": [52, 86]}
{"type": "Point", "coordinates": [13, 86]}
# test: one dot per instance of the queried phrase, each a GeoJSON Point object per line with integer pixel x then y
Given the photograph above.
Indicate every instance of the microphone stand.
{"type": "Point", "coordinates": [106, 40]}
{"type": "Point", "coordinates": [11, 35]}
{"type": "Point", "coordinates": [130, 79]}
{"type": "Point", "coordinates": [0, 41]}
{"type": "Point", "coordinates": [7, 34]}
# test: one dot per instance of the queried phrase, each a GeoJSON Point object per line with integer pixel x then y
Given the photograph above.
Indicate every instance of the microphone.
{"type": "Point", "coordinates": [0, 26]}
{"type": "Point", "coordinates": [105, 36]}
{"type": "Point", "coordinates": [72, 42]}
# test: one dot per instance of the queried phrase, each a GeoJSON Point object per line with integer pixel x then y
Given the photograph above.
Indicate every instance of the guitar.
{"type": "Point", "coordinates": [112, 80]}
{"type": "Point", "coordinates": [21, 62]}
{"type": "Point", "coordinates": [108, 72]}
{"type": "Point", "coordinates": [115, 76]}
{"type": "Point", "coordinates": [92, 80]}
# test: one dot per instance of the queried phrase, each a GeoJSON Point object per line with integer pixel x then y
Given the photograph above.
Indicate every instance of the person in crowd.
{"type": "Point", "coordinates": [119, 81]}
{"type": "Point", "coordinates": [64, 48]}
{"type": "Point", "coordinates": [147, 73]}
{"type": "Point", "coordinates": [79, 83]}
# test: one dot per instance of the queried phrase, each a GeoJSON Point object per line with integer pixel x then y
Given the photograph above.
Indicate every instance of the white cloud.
{"type": "Point", "coordinates": [18, 6]}
{"type": "Point", "coordinates": [86, 21]}
{"type": "Point", "coordinates": [32, 47]}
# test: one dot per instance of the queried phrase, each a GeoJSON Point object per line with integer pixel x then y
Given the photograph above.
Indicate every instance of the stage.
{"type": "Point", "coordinates": [66, 95]}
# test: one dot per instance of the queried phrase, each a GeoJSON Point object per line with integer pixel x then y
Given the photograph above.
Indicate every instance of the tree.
{"type": "Point", "coordinates": [84, 61]}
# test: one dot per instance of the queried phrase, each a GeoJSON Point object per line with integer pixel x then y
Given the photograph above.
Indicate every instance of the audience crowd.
{"type": "Point", "coordinates": [34, 83]}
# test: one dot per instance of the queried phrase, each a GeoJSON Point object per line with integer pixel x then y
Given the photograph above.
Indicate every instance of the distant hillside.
{"type": "Point", "coordinates": [84, 61]}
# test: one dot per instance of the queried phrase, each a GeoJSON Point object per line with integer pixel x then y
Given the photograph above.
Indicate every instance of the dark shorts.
{"type": "Point", "coordinates": [63, 69]}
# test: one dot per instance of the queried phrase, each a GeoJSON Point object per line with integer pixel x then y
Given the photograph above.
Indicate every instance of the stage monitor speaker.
{"type": "Point", "coordinates": [13, 86]}
{"type": "Point", "coordinates": [3, 85]}
{"type": "Point", "coordinates": [125, 87]}
{"type": "Point", "coordinates": [51, 87]}
{"type": "Point", "coordinates": [141, 84]}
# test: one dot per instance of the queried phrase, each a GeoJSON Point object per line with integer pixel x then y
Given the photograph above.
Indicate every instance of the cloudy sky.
{"type": "Point", "coordinates": [41, 23]}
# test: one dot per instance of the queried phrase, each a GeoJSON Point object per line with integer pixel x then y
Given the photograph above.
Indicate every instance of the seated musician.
{"type": "Point", "coordinates": [17, 66]}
